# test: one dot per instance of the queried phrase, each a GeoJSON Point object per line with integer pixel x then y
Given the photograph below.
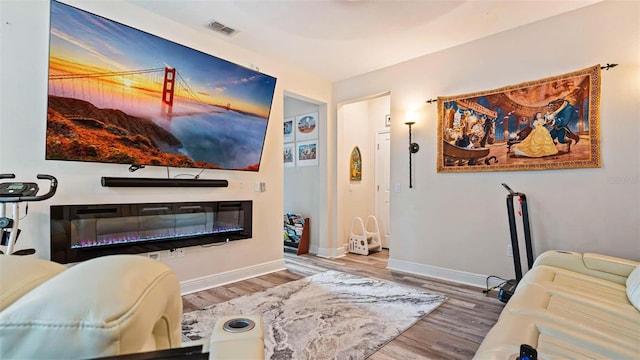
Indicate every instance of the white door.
{"type": "Point", "coordinates": [383, 183]}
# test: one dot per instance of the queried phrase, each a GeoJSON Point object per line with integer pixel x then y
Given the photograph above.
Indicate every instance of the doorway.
{"type": "Point", "coordinates": [302, 188]}
{"type": "Point", "coordinates": [359, 124]}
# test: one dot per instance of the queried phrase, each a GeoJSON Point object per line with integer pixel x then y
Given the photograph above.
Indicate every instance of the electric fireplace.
{"type": "Point", "coordinates": [82, 232]}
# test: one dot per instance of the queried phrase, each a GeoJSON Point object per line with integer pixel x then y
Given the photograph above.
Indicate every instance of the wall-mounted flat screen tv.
{"type": "Point", "coordinates": [121, 95]}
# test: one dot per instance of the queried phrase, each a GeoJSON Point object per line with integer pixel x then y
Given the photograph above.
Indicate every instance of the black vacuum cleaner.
{"type": "Point", "coordinates": [507, 289]}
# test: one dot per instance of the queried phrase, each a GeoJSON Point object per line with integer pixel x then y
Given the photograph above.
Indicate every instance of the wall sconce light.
{"type": "Point", "coordinates": [413, 148]}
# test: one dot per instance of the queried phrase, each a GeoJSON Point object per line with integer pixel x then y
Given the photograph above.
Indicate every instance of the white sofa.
{"type": "Point", "coordinates": [571, 306]}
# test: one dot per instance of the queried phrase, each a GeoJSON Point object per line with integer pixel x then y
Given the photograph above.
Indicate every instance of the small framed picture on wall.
{"type": "Point", "coordinates": [289, 132]}
{"type": "Point", "coordinates": [307, 153]}
{"type": "Point", "coordinates": [289, 155]}
{"type": "Point", "coordinates": [307, 127]}
{"type": "Point", "coordinates": [355, 165]}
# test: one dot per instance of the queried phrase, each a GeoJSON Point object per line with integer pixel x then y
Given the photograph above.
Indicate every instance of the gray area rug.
{"type": "Point", "coordinates": [330, 315]}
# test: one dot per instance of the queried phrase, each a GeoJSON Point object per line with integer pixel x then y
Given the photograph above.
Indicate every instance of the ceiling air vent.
{"type": "Point", "coordinates": [222, 28]}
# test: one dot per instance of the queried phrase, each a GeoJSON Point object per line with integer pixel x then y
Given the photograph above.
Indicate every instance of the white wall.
{"type": "Point", "coordinates": [301, 183]}
{"type": "Point", "coordinates": [24, 34]}
{"type": "Point", "coordinates": [455, 225]}
{"type": "Point", "coordinates": [355, 197]}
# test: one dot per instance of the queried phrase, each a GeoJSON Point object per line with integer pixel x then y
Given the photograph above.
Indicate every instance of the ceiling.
{"type": "Point", "coordinates": [339, 39]}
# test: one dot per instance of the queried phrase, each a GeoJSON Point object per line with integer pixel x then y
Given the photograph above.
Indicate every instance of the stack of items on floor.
{"type": "Point", "coordinates": [293, 226]}
{"type": "Point", "coordinates": [571, 306]}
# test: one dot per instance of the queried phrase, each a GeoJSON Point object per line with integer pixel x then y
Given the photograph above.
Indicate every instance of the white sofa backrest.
{"type": "Point", "coordinates": [633, 287]}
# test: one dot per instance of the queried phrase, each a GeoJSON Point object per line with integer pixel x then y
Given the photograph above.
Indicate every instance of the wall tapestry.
{"type": "Point", "coordinates": [356, 164]}
{"type": "Point", "coordinates": [552, 123]}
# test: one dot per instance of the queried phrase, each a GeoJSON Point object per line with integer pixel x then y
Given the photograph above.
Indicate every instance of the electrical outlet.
{"type": "Point", "coordinates": [171, 253]}
{"type": "Point", "coordinates": [180, 252]}
{"type": "Point", "coordinates": [260, 186]}
{"type": "Point", "coordinates": [509, 250]}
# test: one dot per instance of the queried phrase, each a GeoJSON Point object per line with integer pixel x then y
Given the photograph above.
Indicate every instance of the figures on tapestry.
{"type": "Point", "coordinates": [559, 114]}
{"type": "Point", "coordinates": [469, 128]}
{"type": "Point", "coordinates": [538, 142]}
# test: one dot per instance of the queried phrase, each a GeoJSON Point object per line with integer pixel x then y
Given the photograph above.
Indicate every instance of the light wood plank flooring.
{"type": "Point", "coordinates": [452, 331]}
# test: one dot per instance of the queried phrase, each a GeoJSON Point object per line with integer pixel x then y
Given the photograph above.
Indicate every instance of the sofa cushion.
{"type": "Point", "coordinates": [20, 274]}
{"type": "Point", "coordinates": [633, 287]}
{"type": "Point", "coordinates": [571, 282]}
{"type": "Point", "coordinates": [598, 266]}
{"type": "Point", "coordinates": [608, 264]}
{"type": "Point", "coordinates": [552, 339]}
{"type": "Point", "coordinates": [618, 322]}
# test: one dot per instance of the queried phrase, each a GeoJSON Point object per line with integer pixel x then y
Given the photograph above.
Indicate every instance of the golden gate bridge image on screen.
{"type": "Point", "coordinates": [160, 95]}
{"type": "Point", "coordinates": [124, 88]}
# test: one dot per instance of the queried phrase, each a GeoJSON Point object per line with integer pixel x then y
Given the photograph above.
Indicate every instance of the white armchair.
{"type": "Point", "coordinates": [102, 307]}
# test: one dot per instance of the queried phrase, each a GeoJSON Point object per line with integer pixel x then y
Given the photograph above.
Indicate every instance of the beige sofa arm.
{"type": "Point", "coordinates": [105, 306]}
{"type": "Point", "coordinates": [597, 265]}
{"type": "Point", "coordinates": [21, 274]}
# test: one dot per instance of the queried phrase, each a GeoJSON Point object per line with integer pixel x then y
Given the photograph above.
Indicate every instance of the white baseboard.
{"type": "Point", "coordinates": [227, 277]}
{"type": "Point", "coordinates": [461, 277]}
{"type": "Point", "coordinates": [208, 282]}
{"type": "Point", "coordinates": [323, 252]}
{"type": "Point", "coordinates": [331, 253]}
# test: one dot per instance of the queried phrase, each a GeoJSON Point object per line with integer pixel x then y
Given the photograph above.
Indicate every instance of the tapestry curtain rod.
{"type": "Point", "coordinates": [606, 67]}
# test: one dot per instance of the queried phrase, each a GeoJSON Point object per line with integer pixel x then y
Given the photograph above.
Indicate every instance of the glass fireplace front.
{"type": "Point", "coordinates": [82, 232]}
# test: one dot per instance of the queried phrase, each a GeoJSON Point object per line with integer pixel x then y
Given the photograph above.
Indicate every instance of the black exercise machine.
{"type": "Point", "coordinates": [15, 193]}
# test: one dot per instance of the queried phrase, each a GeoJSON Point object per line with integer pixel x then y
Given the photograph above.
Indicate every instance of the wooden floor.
{"type": "Point", "coordinates": [452, 331]}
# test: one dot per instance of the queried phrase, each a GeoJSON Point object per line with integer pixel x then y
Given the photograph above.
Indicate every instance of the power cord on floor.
{"type": "Point", "coordinates": [489, 289]}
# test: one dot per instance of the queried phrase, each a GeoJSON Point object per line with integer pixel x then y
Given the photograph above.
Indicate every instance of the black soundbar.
{"type": "Point", "coordinates": [159, 182]}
